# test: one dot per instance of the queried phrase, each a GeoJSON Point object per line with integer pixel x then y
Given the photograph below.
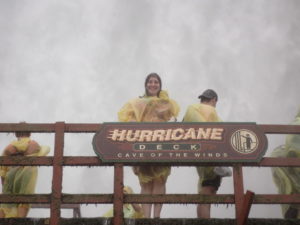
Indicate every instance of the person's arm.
{"type": "Point", "coordinates": [126, 114]}
{"type": "Point", "coordinates": [192, 115]}
{"type": "Point", "coordinates": [10, 150]}
{"type": "Point", "coordinates": [33, 147]}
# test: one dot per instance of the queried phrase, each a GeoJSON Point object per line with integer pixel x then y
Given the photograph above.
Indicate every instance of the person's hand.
{"type": "Point", "coordinates": [17, 154]}
{"type": "Point", "coordinates": [33, 147]}
{"type": "Point", "coordinates": [10, 150]}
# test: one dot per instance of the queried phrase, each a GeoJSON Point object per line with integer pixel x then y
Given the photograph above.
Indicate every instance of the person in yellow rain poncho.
{"type": "Point", "coordinates": [209, 177]}
{"type": "Point", "coordinates": [287, 179]}
{"type": "Point", "coordinates": [20, 179]}
{"type": "Point", "coordinates": [129, 210]}
{"type": "Point", "coordinates": [154, 106]}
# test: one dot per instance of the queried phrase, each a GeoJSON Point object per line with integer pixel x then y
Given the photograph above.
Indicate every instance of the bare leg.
{"type": "Point", "coordinates": [203, 210]}
{"type": "Point", "coordinates": [146, 188]}
{"type": "Point", "coordinates": [22, 211]}
{"type": "Point", "coordinates": [159, 187]}
{"type": "Point", "coordinates": [2, 214]}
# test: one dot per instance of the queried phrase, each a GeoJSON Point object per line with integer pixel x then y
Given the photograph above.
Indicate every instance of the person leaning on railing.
{"type": "Point", "coordinates": [154, 106]}
{"type": "Point", "coordinates": [287, 179]}
{"type": "Point", "coordinates": [209, 177]}
{"type": "Point", "coordinates": [20, 179]}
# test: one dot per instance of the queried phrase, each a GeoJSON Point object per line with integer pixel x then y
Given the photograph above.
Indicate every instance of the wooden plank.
{"type": "Point", "coordinates": [279, 129]}
{"type": "Point", "coordinates": [94, 127]}
{"type": "Point", "coordinates": [174, 221]}
{"type": "Point", "coordinates": [137, 198]}
{"type": "Point", "coordinates": [32, 127]}
{"type": "Point", "coordinates": [95, 161]}
{"type": "Point", "coordinates": [33, 198]}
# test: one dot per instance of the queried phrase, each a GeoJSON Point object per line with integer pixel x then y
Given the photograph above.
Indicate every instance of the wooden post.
{"type": "Point", "coordinates": [248, 199]}
{"type": "Point", "coordinates": [57, 174]}
{"type": "Point", "coordinates": [238, 192]}
{"type": "Point", "coordinates": [118, 195]}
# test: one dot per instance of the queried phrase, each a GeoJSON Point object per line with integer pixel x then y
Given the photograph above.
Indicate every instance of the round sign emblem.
{"type": "Point", "coordinates": [244, 141]}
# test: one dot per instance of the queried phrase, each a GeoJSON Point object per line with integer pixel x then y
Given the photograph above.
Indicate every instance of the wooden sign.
{"type": "Point", "coordinates": [186, 142]}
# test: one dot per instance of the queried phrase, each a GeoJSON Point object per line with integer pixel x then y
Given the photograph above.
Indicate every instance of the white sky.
{"type": "Point", "coordinates": [79, 61]}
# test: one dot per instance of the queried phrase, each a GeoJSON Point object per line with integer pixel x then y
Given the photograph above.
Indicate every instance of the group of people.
{"type": "Point", "coordinates": [154, 106]}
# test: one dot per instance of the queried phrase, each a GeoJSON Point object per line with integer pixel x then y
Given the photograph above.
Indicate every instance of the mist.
{"type": "Point", "coordinates": [80, 61]}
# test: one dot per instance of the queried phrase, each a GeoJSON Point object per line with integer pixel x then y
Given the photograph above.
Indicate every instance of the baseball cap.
{"type": "Point", "coordinates": [209, 93]}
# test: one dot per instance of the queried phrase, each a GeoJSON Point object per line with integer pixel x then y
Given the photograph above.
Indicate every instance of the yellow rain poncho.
{"type": "Point", "coordinates": [202, 113]}
{"type": "Point", "coordinates": [19, 179]}
{"type": "Point", "coordinates": [150, 109]}
{"type": "Point", "coordinates": [287, 179]}
{"type": "Point", "coordinates": [128, 209]}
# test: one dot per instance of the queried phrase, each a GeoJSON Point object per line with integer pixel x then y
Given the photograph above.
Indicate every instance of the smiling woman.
{"type": "Point", "coordinates": [153, 85]}
{"type": "Point", "coordinates": [154, 106]}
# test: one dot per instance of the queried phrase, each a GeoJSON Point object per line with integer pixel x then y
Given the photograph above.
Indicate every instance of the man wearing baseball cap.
{"type": "Point", "coordinates": [209, 177]}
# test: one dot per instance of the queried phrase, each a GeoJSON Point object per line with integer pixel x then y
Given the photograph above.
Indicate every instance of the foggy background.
{"type": "Point", "coordinates": [80, 61]}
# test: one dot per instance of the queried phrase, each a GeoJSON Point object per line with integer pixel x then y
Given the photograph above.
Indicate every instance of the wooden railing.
{"type": "Point", "coordinates": [56, 199]}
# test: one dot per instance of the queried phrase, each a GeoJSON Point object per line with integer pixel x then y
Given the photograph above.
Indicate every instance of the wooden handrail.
{"type": "Point", "coordinates": [57, 200]}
